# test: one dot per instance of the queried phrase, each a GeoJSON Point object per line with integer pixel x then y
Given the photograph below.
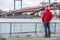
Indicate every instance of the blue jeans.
{"type": "Point", "coordinates": [47, 29]}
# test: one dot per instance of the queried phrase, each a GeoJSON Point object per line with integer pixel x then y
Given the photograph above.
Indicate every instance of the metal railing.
{"type": "Point", "coordinates": [10, 28]}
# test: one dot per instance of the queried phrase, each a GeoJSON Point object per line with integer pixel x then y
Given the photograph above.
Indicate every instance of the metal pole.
{"type": "Point", "coordinates": [21, 4]}
{"type": "Point", "coordinates": [14, 4]}
{"type": "Point", "coordinates": [35, 28]}
{"type": "Point", "coordinates": [55, 28]}
{"type": "Point", "coordinates": [0, 29]}
{"type": "Point", "coordinates": [55, 9]}
{"type": "Point", "coordinates": [49, 3]}
{"type": "Point", "coordinates": [10, 29]}
{"type": "Point", "coordinates": [21, 27]}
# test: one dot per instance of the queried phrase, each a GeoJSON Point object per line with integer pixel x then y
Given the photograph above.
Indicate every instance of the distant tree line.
{"type": "Point", "coordinates": [1, 11]}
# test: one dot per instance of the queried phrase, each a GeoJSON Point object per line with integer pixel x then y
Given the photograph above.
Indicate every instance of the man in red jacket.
{"type": "Point", "coordinates": [46, 17]}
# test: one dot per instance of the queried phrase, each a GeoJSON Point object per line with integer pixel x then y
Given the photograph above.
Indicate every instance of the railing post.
{"type": "Point", "coordinates": [35, 28]}
{"type": "Point", "coordinates": [21, 27]}
{"type": "Point", "coordinates": [0, 28]}
{"type": "Point", "coordinates": [55, 28]}
{"type": "Point", "coordinates": [10, 28]}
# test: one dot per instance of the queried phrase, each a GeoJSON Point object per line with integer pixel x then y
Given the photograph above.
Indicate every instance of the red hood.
{"type": "Point", "coordinates": [47, 15]}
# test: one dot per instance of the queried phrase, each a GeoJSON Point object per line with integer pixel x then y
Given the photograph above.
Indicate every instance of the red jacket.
{"type": "Point", "coordinates": [46, 15]}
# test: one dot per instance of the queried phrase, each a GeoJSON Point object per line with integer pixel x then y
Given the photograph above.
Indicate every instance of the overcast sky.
{"type": "Point", "coordinates": [8, 4]}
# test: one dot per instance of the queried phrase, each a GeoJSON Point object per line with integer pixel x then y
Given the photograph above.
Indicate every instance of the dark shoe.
{"type": "Point", "coordinates": [45, 37]}
{"type": "Point", "coordinates": [48, 37]}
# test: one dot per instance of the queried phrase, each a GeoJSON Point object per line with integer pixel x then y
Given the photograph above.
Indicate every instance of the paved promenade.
{"type": "Point", "coordinates": [34, 38]}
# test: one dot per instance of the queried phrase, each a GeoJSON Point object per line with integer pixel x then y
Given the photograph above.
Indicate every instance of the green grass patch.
{"type": "Point", "coordinates": [52, 32]}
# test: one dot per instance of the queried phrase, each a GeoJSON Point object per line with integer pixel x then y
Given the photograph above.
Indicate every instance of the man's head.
{"type": "Point", "coordinates": [47, 9]}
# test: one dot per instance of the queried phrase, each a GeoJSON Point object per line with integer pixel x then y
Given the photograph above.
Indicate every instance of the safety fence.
{"type": "Point", "coordinates": [26, 28]}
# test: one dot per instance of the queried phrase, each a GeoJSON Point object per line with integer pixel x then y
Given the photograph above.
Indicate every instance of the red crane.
{"type": "Point", "coordinates": [34, 9]}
